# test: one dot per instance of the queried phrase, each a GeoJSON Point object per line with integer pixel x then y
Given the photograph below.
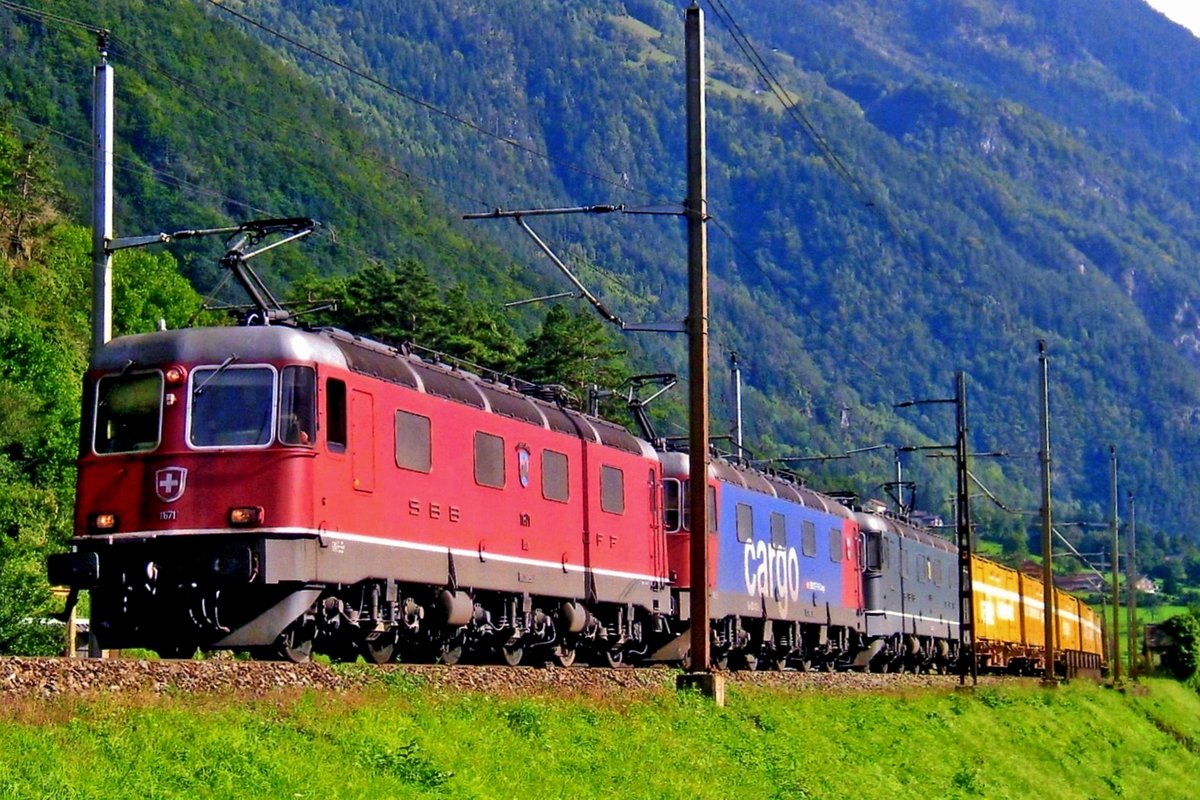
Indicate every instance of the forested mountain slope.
{"type": "Point", "coordinates": [1003, 171]}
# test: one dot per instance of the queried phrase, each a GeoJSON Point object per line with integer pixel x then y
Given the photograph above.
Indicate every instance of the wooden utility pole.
{"type": "Point", "coordinates": [1116, 570]}
{"type": "Point", "coordinates": [697, 328]}
{"type": "Point", "coordinates": [1131, 578]}
{"type": "Point", "coordinates": [1049, 616]}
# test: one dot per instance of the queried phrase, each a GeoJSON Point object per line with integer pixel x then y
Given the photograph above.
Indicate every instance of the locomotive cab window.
{"type": "Point", "coordinates": [489, 460]}
{"type": "Point", "coordinates": [232, 406]}
{"type": "Point", "coordinates": [413, 445]}
{"type": "Point", "coordinates": [677, 513]}
{"type": "Point", "coordinates": [298, 406]}
{"type": "Point", "coordinates": [612, 490]}
{"type": "Point", "coordinates": [555, 483]}
{"type": "Point", "coordinates": [672, 505]}
{"type": "Point", "coordinates": [872, 551]}
{"type": "Point", "coordinates": [128, 413]}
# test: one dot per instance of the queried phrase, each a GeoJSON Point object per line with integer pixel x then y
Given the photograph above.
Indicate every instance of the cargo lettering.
{"type": "Point", "coordinates": [771, 571]}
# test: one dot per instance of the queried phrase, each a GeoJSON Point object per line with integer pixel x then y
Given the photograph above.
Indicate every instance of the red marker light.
{"type": "Point", "coordinates": [102, 522]}
{"type": "Point", "coordinates": [245, 516]}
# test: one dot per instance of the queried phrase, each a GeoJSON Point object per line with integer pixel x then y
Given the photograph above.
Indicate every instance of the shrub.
{"type": "Point", "coordinates": [1182, 656]}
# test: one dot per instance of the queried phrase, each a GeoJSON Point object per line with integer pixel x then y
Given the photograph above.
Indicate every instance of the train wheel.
{"type": "Point", "coordinates": [512, 652]}
{"type": "Point", "coordinates": [614, 659]}
{"type": "Point", "coordinates": [381, 649]}
{"type": "Point", "coordinates": [450, 652]}
{"type": "Point", "coordinates": [295, 645]}
{"type": "Point", "coordinates": [564, 655]}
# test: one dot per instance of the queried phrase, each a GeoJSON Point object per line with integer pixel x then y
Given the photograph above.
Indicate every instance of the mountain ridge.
{"type": "Point", "coordinates": [1024, 171]}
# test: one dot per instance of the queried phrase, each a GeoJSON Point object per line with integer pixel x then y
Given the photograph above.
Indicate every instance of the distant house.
{"type": "Point", "coordinates": [1083, 582]}
{"type": "Point", "coordinates": [1145, 586]}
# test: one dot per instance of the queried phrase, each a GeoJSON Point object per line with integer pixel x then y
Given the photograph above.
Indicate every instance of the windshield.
{"type": "Point", "coordinates": [232, 406]}
{"type": "Point", "coordinates": [128, 413]}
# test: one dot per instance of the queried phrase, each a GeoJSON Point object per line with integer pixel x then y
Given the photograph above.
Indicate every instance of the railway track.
{"type": "Point", "coordinates": [63, 677]}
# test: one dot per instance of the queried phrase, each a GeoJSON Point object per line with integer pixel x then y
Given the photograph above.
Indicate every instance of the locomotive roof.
{"type": "Point", "coordinates": [675, 462]}
{"type": "Point", "coordinates": [878, 522]}
{"type": "Point", "coordinates": [267, 343]}
{"type": "Point", "coordinates": [345, 351]}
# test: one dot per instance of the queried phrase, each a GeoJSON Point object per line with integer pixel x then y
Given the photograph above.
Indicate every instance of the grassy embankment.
{"type": "Point", "coordinates": [399, 740]}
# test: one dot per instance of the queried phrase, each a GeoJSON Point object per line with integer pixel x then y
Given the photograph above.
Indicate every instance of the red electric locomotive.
{"type": "Point", "coordinates": [269, 487]}
{"type": "Point", "coordinates": [274, 489]}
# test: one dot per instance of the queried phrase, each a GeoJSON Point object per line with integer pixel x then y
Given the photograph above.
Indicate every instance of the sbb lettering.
{"type": "Point", "coordinates": [434, 511]}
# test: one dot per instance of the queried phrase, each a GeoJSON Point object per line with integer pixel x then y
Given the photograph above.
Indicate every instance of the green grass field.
{"type": "Point", "coordinates": [1016, 741]}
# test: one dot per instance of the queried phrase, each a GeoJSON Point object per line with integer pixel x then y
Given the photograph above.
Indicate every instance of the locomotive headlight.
{"type": "Point", "coordinates": [245, 516]}
{"type": "Point", "coordinates": [175, 376]}
{"type": "Point", "coordinates": [102, 521]}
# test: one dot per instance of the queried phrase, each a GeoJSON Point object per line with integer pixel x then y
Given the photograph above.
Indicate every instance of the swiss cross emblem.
{"type": "Point", "coordinates": [169, 483]}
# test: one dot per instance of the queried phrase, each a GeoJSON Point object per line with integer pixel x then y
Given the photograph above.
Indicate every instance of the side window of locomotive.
{"type": "Point", "coordinates": [808, 539]}
{"type": "Point", "coordinates": [744, 523]}
{"type": "Point", "coordinates": [298, 406]}
{"type": "Point", "coordinates": [128, 413]}
{"type": "Point", "coordinates": [335, 415]}
{"type": "Point", "coordinates": [413, 442]}
{"type": "Point", "coordinates": [612, 490]}
{"type": "Point", "coordinates": [672, 510]}
{"type": "Point", "coordinates": [835, 545]}
{"type": "Point", "coordinates": [489, 460]}
{"type": "Point", "coordinates": [873, 551]}
{"type": "Point", "coordinates": [232, 406]}
{"type": "Point", "coordinates": [778, 530]}
{"type": "Point", "coordinates": [555, 483]}
{"type": "Point", "coordinates": [686, 509]}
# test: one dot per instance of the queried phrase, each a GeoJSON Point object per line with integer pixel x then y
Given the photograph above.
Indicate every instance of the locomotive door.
{"type": "Point", "coordinates": [362, 441]}
{"type": "Point", "coordinates": [872, 566]}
